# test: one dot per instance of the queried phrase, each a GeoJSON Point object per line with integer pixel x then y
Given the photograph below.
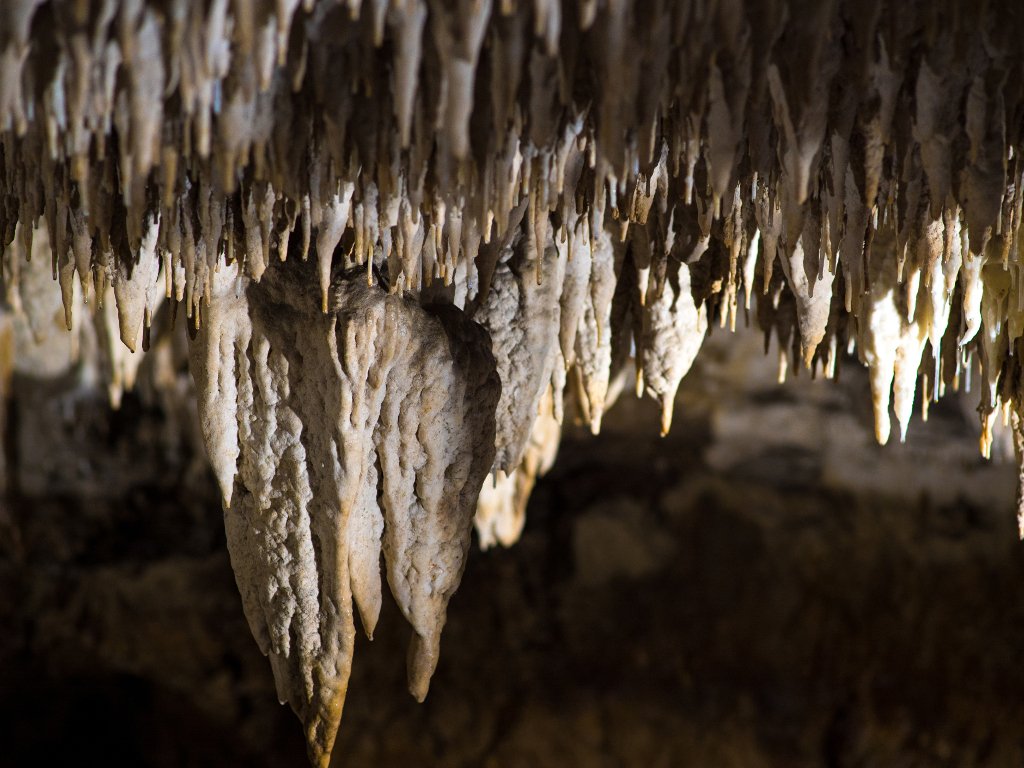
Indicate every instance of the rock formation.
{"type": "Point", "coordinates": [406, 235]}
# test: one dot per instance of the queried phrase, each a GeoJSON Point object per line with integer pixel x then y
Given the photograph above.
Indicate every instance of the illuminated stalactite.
{"type": "Point", "coordinates": [546, 194]}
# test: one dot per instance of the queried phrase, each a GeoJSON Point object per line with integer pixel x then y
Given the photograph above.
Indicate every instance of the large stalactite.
{"type": "Point", "coordinates": [407, 235]}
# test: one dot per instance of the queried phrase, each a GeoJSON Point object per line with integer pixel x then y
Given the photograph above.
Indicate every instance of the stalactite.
{"type": "Point", "coordinates": [531, 192]}
{"type": "Point", "coordinates": [299, 408]}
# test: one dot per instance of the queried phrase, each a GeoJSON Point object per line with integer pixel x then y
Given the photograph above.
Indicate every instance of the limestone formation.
{"type": "Point", "coordinates": [407, 234]}
{"type": "Point", "coordinates": [335, 435]}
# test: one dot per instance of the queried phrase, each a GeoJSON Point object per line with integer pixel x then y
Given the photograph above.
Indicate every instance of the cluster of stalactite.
{"type": "Point", "coordinates": [407, 234]}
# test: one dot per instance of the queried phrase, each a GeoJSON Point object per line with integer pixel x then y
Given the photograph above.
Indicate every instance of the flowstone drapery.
{"type": "Point", "coordinates": [335, 435]}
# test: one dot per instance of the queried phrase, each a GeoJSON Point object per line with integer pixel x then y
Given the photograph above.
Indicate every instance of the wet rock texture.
{"type": "Point", "coordinates": [717, 597]}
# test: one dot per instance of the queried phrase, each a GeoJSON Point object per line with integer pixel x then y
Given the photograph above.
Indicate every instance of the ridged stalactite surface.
{"type": "Point", "coordinates": [582, 189]}
{"type": "Point", "coordinates": [335, 436]}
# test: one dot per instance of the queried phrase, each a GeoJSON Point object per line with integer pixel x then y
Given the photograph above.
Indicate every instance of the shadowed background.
{"type": "Point", "coordinates": [764, 586]}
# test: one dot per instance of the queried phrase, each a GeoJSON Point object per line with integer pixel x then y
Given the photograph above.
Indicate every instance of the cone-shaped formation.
{"type": "Point", "coordinates": [299, 408]}
{"type": "Point", "coordinates": [501, 510]}
{"type": "Point", "coordinates": [591, 182]}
